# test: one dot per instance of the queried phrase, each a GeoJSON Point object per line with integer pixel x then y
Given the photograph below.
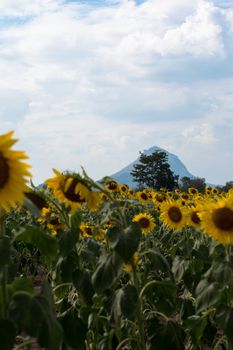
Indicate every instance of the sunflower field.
{"type": "Point", "coordinates": [99, 266]}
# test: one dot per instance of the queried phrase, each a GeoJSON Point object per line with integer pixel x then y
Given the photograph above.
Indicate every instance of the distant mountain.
{"type": "Point", "coordinates": [123, 176]}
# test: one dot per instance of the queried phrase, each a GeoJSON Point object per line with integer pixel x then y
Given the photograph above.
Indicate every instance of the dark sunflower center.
{"type": "Point", "coordinates": [159, 198]}
{"type": "Point", "coordinates": [223, 219]}
{"type": "Point", "coordinates": [175, 214]}
{"type": "Point", "coordinates": [195, 218]}
{"type": "Point", "coordinates": [144, 222]}
{"type": "Point", "coordinates": [185, 196]}
{"type": "Point", "coordinates": [54, 221]}
{"type": "Point", "coordinates": [4, 171]}
{"type": "Point", "coordinates": [123, 188]}
{"type": "Point", "coordinates": [70, 193]}
{"type": "Point", "coordinates": [144, 196]}
{"type": "Point", "coordinates": [88, 231]}
{"type": "Point", "coordinates": [112, 186]}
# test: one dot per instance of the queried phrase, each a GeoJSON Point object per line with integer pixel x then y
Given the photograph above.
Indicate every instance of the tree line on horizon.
{"type": "Point", "coordinates": [153, 171]}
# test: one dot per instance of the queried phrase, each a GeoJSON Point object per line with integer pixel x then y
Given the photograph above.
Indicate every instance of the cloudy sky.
{"type": "Point", "coordinates": [92, 83]}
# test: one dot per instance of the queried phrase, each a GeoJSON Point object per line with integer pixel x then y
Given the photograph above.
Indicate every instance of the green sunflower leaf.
{"type": "Point", "coordinates": [106, 272]}
{"type": "Point", "coordinates": [125, 242]}
{"type": "Point", "coordinates": [46, 243]}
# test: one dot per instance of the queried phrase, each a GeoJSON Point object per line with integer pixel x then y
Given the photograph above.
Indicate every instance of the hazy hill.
{"type": "Point", "coordinates": [123, 176]}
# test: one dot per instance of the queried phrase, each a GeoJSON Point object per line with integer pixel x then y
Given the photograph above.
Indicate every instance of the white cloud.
{"type": "Point", "coordinates": [199, 134]}
{"type": "Point", "coordinates": [25, 8]}
{"type": "Point", "coordinates": [81, 84]}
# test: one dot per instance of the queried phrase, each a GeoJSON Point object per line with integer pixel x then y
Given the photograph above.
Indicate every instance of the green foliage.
{"type": "Point", "coordinates": [224, 319]}
{"type": "Point", "coordinates": [106, 272]}
{"type": "Point", "coordinates": [197, 182]}
{"type": "Point", "coordinates": [228, 185]}
{"type": "Point", "coordinates": [35, 315]}
{"type": "Point", "coordinates": [68, 241]}
{"type": "Point", "coordinates": [196, 325]}
{"type": "Point", "coordinates": [47, 244]}
{"type": "Point", "coordinates": [82, 282]}
{"type": "Point", "coordinates": [5, 250]}
{"type": "Point", "coordinates": [125, 301]}
{"type": "Point", "coordinates": [7, 334]}
{"type": "Point", "coordinates": [165, 333]}
{"type": "Point", "coordinates": [154, 171]}
{"type": "Point", "coordinates": [125, 242]}
{"type": "Point", "coordinates": [74, 331]}
{"type": "Point", "coordinates": [124, 290]}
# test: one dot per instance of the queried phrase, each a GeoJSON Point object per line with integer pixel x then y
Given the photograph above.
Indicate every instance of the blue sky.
{"type": "Point", "coordinates": [92, 83]}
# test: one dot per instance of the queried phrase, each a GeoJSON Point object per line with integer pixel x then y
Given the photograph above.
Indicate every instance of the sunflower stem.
{"type": "Point", "coordinates": [228, 252]}
{"type": "Point", "coordinates": [4, 268]}
{"type": "Point", "coordinates": [139, 312]}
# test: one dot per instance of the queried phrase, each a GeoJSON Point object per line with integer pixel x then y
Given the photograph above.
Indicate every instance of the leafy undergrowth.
{"type": "Point", "coordinates": [114, 273]}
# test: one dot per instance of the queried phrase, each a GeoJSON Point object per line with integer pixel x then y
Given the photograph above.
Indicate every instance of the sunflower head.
{"type": "Point", "coordinates": [51, 220]}
{"type": "Point", "coordinates": [142, 197]}
{"type": "Point", "coordinates": [72, 189]}
{"type": "Point", "coordinates": [87, 230]}
{"type": "Point", "coordinates": [193, 217]}
{"type": "Point", "coordinates": [217, 220]}
{"type": "Point", "coordinates": [208, 190]}
{"type": "Point", "coordinates": [169, 194]}
{"type": "Point", "coordinates": [123, 188]}
{"type": "Point", "coordinates": [184, 196]}
{"type": "Point", "coordinates": [90, 231]}
{"type": "Point", "coordinates": [173, 214]}
{"type": "Point", "coordinates": [14, 173]}
{"type": "Point", "coordinates": [112, 186]}
{"type": "Point", "coordinates": [193, 191]}
{"type": "Point", "coordinates": [158, 198]}
{"type": "Point", "coordinates": [145, 221]}
{"type": "Point", "coordinates": [130, 192]}
{"type": "Point", "coordinates": [134, 262]}
{"type": "Point", "coordinates": [37, 198]}
{"type": "Point", "coordinates": [214, 191]}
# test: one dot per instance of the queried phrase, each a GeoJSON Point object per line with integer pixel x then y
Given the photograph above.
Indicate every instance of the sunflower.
{"type": "Point", "coordinates": [217, 220]}
{"type": "Point", "coordinates": [37, 198]}
{"type": "Point", "coordinates": [134, 261]}
{"type": "Point", "coordinates": [142, 197]}
{"type": "Point", "coordinates": [169, 194]}
{"type": "Point", "coordinates": [145, 221]}
{"type": "Point", "coordinates": [87, 231]}
{"type": "Point", "coordinates": [214, 191]}
{"type": "Point", "coordinates": [173, 214]}
{"type": "Point", "coordinates": [193, 191]}
{"type": "Point", "coordinates": [130, 193]}
{"type": "Point", "coordinates": [229, 196]}
{"type": "Point", "coordinates": [51, 220]}
{"type": "Point", "coordinates": [90, 231]}
{"type": "Point", "coordinates": [158, 197]}
{"type": "Point", "coordinates": [208, 190]}
{"type": "Point", "coordinates": [184, 196]}
{"type": "Point", "coordinates": [73, 191]}
{"type": "Point", "coordinates": [148, 192]}
{"type": "Point", "coordinates": [193, 217]}
{"type": "Point", "coordinates": [13, 172]}
{"type": "Point", "coordinates": [123, 189]}
{"type": "Point", "coordinates": [112, 186]}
